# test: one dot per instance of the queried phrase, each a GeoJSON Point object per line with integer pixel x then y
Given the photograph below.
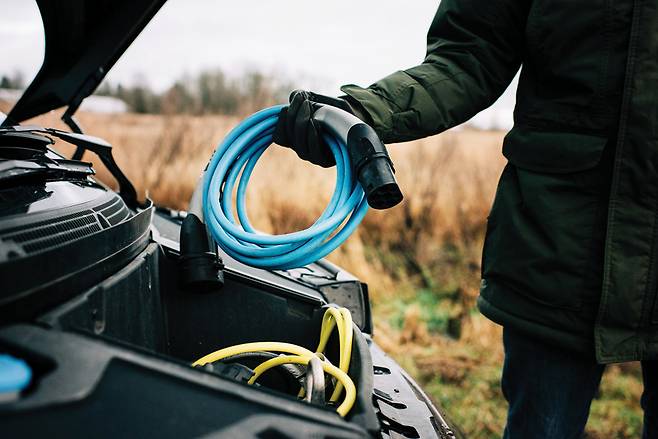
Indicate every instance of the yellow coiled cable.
{"type": "Point", "coordinates": [333, 317]}
{"type": "Point", "coordinates": [342, 377]}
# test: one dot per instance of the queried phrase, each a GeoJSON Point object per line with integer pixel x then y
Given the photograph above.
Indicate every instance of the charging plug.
{"type": "Point", "coordinates": [200, 268]}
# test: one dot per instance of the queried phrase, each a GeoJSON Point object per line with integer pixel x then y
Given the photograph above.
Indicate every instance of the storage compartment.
{"type": "Point", "coordinates": [141, 307]}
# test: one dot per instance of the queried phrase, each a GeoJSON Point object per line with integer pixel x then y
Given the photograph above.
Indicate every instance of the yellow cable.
{"type": "Point", "coordinates": [271, 346]}
{"type": "Point", "coordinates": [333, 317]}
{"type": "Point", "coordinates": [342, 319]}
{"type": "Point", "coordinates": [350, 390]}
{"type": "Point", "coordinates": [346, 351]}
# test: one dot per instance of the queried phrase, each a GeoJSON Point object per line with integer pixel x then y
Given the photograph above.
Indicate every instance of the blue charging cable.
{"type": "Point", "coordinates": [233, 162]}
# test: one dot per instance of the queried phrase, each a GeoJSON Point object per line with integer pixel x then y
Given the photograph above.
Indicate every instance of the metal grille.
{"type": "Point", "coordinates": [47, 234]}
{"type": "Point", "coordinates": [114, 211]}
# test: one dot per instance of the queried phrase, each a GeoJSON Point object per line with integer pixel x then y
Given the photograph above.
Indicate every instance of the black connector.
{"type": "Point", "coordinates": [373, 167]}
{"type": "Point", "coordinates": [201, 270]}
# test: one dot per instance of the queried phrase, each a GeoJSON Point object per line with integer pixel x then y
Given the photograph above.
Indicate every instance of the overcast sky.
{"type": "Point", "coordinates": [325, 42]}
{"type": "Point", "coordinates": [316, 44]}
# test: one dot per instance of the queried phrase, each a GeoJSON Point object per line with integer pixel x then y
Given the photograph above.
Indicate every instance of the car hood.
{"type": "Point", "coordinates": [84, 38]}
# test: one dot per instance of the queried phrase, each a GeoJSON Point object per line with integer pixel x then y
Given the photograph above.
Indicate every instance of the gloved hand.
{"type": "Point", "coordinates": [297, 130]}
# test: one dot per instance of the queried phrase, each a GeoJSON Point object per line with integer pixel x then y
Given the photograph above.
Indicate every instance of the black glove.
{"type": "Point", "coordinates": [296, 128]}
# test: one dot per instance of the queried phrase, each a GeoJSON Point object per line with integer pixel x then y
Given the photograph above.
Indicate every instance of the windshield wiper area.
{"type": "Point", "coordinates": [52, 169]}
{"type": "Point", "coordinates": [84, 142]}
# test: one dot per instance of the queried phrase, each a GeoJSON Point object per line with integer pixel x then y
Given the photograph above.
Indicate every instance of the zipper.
{"type": "Point", "coordinates": [649, 311]}
{"type": "Point", "coordinates": [608, 271]}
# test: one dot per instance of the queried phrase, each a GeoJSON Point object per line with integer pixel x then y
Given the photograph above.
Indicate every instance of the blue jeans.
{"type": "Point", "coordinates": [549, 390]}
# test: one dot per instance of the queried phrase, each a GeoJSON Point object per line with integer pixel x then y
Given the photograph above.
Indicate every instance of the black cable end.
{"type": "Point", "coordinates": [200, 269]}
{"type": "Point", "coordinates": [382, 191]}
{"type": "Point", "coordinates": [373, 167]}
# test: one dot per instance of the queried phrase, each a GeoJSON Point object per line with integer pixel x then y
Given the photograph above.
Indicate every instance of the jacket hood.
{"type": "Point", "coordinates": [84, 38]}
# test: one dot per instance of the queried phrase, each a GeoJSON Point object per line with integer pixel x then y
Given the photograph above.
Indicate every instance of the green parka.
{"type": "Point", "coordinates": [571, 250]}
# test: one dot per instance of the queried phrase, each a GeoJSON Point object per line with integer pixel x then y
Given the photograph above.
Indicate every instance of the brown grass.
{"type": "Point", "coordinates": [421, 259]}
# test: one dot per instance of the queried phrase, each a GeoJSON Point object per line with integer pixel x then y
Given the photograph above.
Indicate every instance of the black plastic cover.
{"type": "Point", "coordinates": [87, 389]}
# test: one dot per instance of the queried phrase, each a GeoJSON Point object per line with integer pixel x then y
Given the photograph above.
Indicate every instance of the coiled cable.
{"type": "Point", "coordinates": [233, 163]}
{"type": "Point", "coordinates": [333, 317]}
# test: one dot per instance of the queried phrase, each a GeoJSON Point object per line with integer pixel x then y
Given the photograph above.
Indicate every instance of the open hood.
{"type": "Point", "coordinates": [84, 38]}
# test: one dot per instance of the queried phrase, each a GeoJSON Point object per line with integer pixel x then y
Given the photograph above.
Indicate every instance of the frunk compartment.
{"type": "Point", "coordinates": [242, 311]}
{"type": "Point", "coordinates": [141, 307]}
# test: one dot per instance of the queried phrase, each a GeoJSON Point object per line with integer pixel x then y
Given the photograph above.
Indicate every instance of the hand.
{"type": "Point", "coordinates": [296, 128]}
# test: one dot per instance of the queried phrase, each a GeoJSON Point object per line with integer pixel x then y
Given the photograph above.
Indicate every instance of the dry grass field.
{"type": "Point", "coordinates": [421, 259]}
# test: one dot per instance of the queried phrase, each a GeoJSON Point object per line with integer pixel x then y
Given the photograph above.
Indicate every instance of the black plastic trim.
{"type": "Point", "coordinates": [41, 280]}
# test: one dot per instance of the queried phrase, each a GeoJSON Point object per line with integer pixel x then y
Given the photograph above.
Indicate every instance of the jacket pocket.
{"type": "Point", "coordinates": [546, 228]}
{"type": "Point", "coordinates": [550, 152]}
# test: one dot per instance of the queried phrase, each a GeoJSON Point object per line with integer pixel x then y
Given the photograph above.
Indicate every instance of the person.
{"type": "Point", "coordinates": [570, 261]}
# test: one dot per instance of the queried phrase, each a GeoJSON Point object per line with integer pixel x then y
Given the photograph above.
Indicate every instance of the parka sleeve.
{"type": "Point", "coordinates": [474, 49]}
